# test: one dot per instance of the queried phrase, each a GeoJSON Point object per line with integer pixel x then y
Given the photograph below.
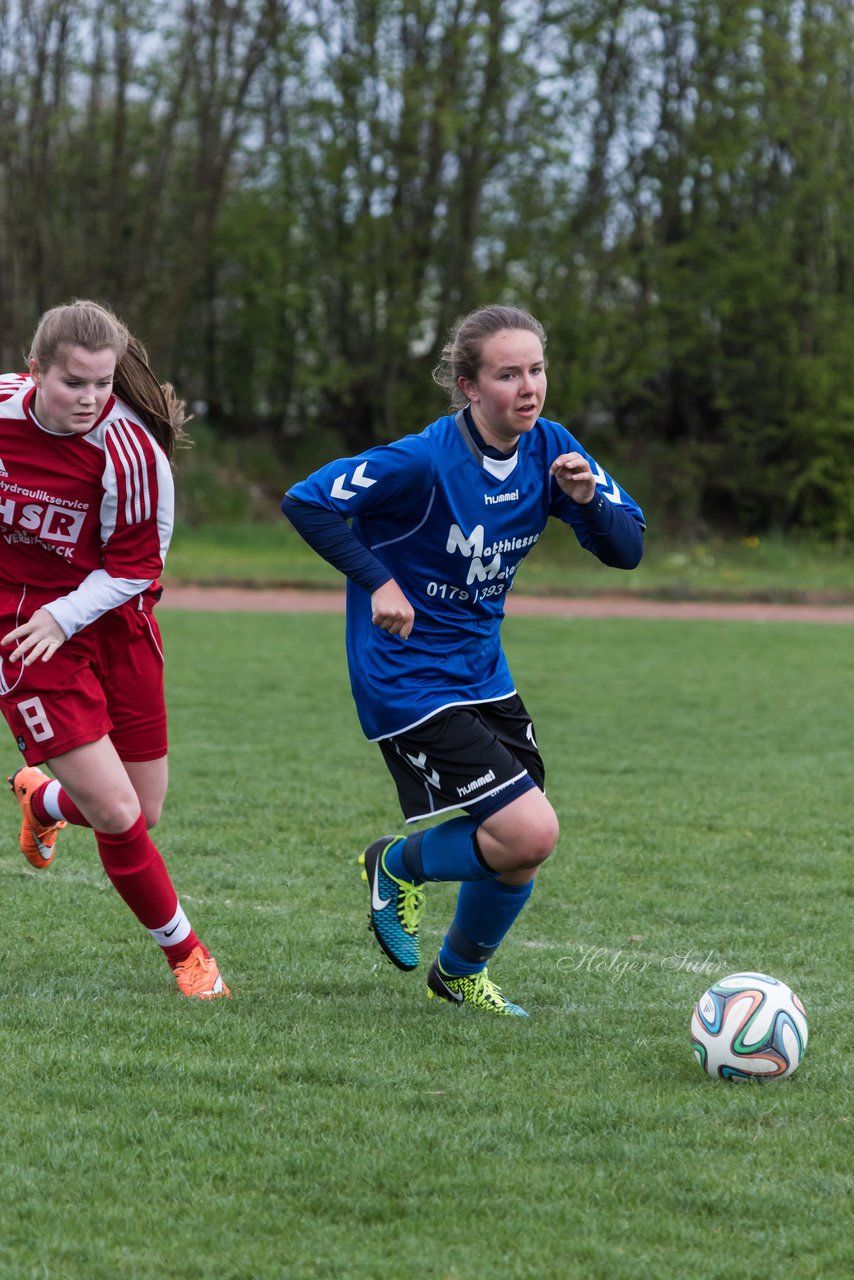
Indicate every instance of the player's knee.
{"type": "Point", "coordinates": [115, 813]}
{"type": "Point", "coordinates": [539, 841]}
{"type": "Point", "coordinates": [546, 838]}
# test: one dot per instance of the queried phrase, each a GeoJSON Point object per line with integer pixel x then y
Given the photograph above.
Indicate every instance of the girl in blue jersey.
{"type": "Point", "coordinates": [430, 531]}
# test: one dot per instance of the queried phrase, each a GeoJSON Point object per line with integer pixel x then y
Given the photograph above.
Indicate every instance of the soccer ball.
{"type": "Point", "coordinates": [749, 1027]}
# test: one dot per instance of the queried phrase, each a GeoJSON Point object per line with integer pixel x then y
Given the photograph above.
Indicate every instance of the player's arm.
{"type": "Point", "coordinates": [389, 480]}
{"type": "Point", "coordinates": [328, 533]}
{"type": "Point", "coordinates": [606, 521]}
{"type": "Point", "coordinates": [51, 625]}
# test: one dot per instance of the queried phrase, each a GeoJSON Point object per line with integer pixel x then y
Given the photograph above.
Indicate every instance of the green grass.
{"type": "Point", "coordinates": [269, 554]}
{"type": "Point", "coordinates": [329, 1121]}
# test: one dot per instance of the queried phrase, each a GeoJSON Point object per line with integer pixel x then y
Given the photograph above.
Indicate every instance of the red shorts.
{"type": "Point", "coordinates": [107, 679]}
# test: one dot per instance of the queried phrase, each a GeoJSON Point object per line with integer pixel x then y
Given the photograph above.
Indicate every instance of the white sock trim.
{"type": "Point", "coordinates": [173, 931]}
{"type": "Point", "coordinates": [50, 800]}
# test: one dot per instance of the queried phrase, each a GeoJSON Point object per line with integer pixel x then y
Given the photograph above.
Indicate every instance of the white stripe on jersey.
{"type": "Point", "coordinates": [10, 383]}
{"type": "Point", "coordinates": [132, 457]}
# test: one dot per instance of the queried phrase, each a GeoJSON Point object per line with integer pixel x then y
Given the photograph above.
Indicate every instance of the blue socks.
{"type": "Point", "coordinates": [485, 912]}
{"type": "Point", "coordinates": [486, 906]}
{"type": "Point", "coordinates": [446, 852]}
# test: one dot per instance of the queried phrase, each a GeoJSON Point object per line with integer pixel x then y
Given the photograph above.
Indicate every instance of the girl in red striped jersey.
{"type": "Point", "coordinates": [86, 515]}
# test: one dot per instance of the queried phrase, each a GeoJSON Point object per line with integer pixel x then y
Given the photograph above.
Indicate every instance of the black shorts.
{"type": "Point", "coordinates": [477, 757]}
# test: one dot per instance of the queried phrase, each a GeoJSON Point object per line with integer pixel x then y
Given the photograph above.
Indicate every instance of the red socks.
{"type": "Point", "coordinates": [57, 806]}
{"type": "Point", "coordinates": [138, 873]}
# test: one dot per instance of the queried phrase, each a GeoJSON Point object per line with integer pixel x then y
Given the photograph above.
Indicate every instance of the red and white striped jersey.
{"type": "Point", "coordinates": [73, 504]}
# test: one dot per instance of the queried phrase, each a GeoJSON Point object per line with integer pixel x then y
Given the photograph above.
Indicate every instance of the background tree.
{"type": "Point", "coordinates": [292, 200]}
{"type": "Point", "coordinates": [122, 125]}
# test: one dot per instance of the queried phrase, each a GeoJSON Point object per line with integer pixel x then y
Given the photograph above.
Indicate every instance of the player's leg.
{"type": "Point", "coordinates": [510, 828]}
{"type": "Point", "coordinates": [49, 807]}
{"type": "Point", "coordinates": [97, 782]}
{"type": "Point", "coordinates": [518, 838]}
{"type": "Point", "coordinates": [150, 781]}
{"type": "Point", "coordinates": [109, 678]}
{"type": "Point", "coordinates": [432, 769]}
{"type": "Point", "coordinates": [130, 672]}
{"type": "Point", "coordinates": [515, 840]}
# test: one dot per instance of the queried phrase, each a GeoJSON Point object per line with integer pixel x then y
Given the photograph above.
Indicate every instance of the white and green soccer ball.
{"type": "Point", "coordinates": [749, 1026]}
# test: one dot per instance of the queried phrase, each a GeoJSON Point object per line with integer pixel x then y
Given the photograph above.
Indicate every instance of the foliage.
{"type": "Point", "coordinates": [292, 200]}
{"type": "Point", "coordinates": [328, 1122]}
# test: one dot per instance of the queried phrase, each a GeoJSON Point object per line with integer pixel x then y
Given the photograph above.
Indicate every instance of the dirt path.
{"type": "Point", "coordinates": [249, 600]}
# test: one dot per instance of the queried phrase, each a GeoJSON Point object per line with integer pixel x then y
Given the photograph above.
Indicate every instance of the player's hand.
{"type": "Point", "coordinates": [391, 610]}
{"type": "Point", "coordinates": [40, 637]}
{"type": "Point", "coordinates": [573, 474]}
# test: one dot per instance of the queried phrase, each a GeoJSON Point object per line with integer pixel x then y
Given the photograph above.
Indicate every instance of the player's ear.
{"type": "Point", "coordinates": [35, 371]}
{"type": "Point", "coordinates": [469, 389]}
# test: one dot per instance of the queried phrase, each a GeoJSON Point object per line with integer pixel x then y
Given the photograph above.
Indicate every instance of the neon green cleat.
{"type": "Point", "coordinates": [476, 989]}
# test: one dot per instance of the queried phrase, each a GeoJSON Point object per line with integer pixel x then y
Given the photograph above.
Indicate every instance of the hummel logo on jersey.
{"type": "Point", "coordinates": [492, 498]}
{"type": "Point", "coordinates": [613, 494]}
{"type": "Point", "coordinates": [358, 478]}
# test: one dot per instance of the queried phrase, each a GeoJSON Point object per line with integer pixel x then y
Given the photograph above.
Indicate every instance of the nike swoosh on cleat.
{"type": "Point", "coordinates": [44, 849]}
{"type": "Point", "coordinates": [378, 903]}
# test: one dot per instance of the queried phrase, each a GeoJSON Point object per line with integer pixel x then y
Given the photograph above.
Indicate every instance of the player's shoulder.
{"type": "Point", "coordinates": [546, 427]}
{"type": "Point", "coordinates": [441, 429]}
{"type": "Point", "coordinates": [122, 429]}
{"type": "Point", "coordinates": [433, 439]}
{"type": "Point", "coordinates": [13, 388]}
{"type": "Point", "coordinates": [550, 436]}
{"type": "Point", "coordinates": [419, 452]}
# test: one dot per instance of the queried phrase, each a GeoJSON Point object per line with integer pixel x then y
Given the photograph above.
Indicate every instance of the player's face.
{"type": "Point", "coordinates": [71, 394]}
{"type": "Point", "coordinates": [510, 390]}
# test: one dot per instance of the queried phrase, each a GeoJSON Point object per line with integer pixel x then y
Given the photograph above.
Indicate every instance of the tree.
{"type": "Point", "coordinates": [121, 131]}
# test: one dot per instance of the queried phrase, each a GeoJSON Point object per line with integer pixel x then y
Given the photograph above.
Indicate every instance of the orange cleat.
{"type": "Point", "coordinates": [36, 840]}
{"type": "Point", "coordinates": [199, 978]}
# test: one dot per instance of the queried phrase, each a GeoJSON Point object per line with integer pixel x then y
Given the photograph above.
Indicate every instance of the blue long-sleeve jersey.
{"type": "Point", "coordinates": [451, 526]}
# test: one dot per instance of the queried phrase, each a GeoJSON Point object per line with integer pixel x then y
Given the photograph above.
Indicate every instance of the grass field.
{"type": "Point", "coordinates": [330, 1122]}
{"type": "Point", "coordinates": [784, 569]}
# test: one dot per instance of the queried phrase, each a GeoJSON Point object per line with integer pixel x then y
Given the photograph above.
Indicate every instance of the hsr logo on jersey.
{"type": "Point", "coordinates": [472, 546]}
{"type": "Point", "coordinates": [47, 521]}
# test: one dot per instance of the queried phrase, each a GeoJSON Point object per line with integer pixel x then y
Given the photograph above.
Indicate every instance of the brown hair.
{"type": "Point", "coordinates": [462, 354]}
{"type": "Point", "coordinates": [94, 327]}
